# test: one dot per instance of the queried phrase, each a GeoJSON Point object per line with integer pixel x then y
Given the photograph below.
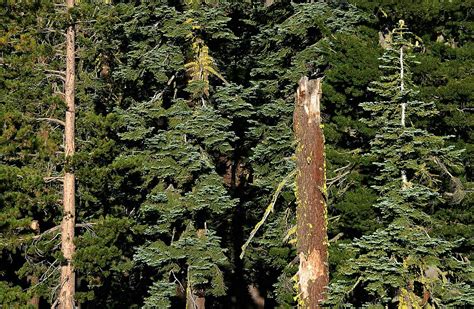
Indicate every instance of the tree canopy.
{"type": "Point", "coordinates": [184, 142]}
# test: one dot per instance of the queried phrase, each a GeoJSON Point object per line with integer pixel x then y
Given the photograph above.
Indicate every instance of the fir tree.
{"type": "Point", "coordinates": [32, 162]}
{"type": "Point", "coordinates": [294, 40]}
{"type": "Point", "coordinates": [30, 153]}
{"type": "Point", "coordinates": [149, 103]}
{"type": "Point", "coordinates": [178, 135]}
{"type": "Point", "coordinates": [402, 263]}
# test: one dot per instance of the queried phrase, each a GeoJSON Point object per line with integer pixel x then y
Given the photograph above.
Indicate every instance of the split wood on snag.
{"type": "Point", "coordinates": [312, 243]}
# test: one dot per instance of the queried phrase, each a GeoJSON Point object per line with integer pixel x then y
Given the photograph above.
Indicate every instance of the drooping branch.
{"type": "Point", "coordinates": [269, 209]}
{"type": "Point", "coordinates": [459, 191]}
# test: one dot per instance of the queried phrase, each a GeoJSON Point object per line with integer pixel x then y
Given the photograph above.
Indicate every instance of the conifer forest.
{"type": "Point", "coordinates": [236, 154]}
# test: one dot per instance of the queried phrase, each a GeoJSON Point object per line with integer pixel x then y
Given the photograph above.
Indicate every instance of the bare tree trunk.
{"type": "Point", "coordinates": [257, 298]}
{"type": "Point", "coordinates": [312, 242]}
{"type": "Point", "coordinates": [67, 288]}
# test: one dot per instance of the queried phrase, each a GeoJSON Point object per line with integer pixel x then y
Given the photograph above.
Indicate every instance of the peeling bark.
{"type": "Point", "coordinates": [312, 242]}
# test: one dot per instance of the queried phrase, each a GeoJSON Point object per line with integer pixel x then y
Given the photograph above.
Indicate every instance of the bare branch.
{"type": "Point", "coordinates": [462, 110]}
{"type": "Point", "coordinates": [56, 76]}
{"type": "Point", "coordinates": [51, 179]}
{"type": "Point", "coordinates": [60, 94]}
{"type": "Point", "coordinates": [54, 120]}
{"type": "Point", "coordinates": [57, 227]}
{"type": "Point", "coordinates": [177, 280]}
{"type": "Point", "coordinates": [61, 73]}
{"type": "Point", "coordinates": [342, 172]}
{"type": "Point", "coordinates": [336, 238]}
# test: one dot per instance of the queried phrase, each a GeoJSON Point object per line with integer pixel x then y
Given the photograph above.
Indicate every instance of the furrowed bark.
{"type": "Point", "coordinates": [312, 242]}
{"type": "Point", "coordinates": [67, 284]}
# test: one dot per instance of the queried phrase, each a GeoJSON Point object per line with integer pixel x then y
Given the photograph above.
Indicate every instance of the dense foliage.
{"type": "Point", "coordinates": [183, 133]}
{"type": "Point", "coordinates": [419, 269]}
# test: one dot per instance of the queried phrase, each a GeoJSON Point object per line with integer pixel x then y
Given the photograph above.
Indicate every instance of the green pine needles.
{"type": "Point", "coordinates": [401, 263]}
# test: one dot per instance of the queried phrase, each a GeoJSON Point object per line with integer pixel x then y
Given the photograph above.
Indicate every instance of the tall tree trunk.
{"type": "Point", "coordinates": [67, 289]}
{"type": "Point", "coordinates": [312, 242]}
{"type": "Point", "coordinates": [403, 107]}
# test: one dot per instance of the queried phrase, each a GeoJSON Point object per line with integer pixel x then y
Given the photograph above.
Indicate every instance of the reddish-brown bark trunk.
{"type": "Point", "coordinates": [67, 284]}
{"type": "Point", "coordinates": [312, 243]}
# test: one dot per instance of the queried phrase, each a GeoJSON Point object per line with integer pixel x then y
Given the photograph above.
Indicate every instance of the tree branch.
{"type": "Point", "coordinates": [60, 73]}
{"type": "Point", "coordinates": [54, 120]}
{"type": "Point", "coordinates": [57, 227]}
{"type": "Point", "coordinates": [51, 179]}
{"type": "Point", "coordinates": [51, 75]}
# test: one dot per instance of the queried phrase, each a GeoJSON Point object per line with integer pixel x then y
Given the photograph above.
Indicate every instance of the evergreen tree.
{"type": "Point", "coordinates": [32, 162]}
{"type": "Point", "coordinates": [107, 183]}
{"type": "Point", "coordinates": [177, 133]}
{"type": "Point", "coordinates": [183, 134]}
{"type": "Point", "coordinates": [442, 76]}
{"type": "Point", "coordinates": [402, 263]}
{"type": "Point", "coordinates": [30, 153]}
{"type": "Point", "coordinates": [294, 40]}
